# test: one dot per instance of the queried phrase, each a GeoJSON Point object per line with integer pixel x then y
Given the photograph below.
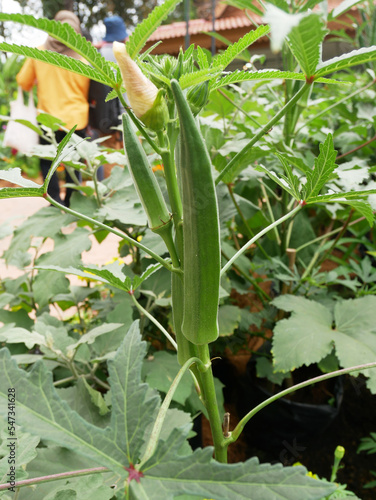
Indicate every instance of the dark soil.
{"type": "Point", "coordinates": [356, 419]}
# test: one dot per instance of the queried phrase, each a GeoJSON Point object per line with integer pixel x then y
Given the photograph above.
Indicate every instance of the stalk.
{"type": "Point", "coordinates": [258, 235]}
{"type": "Point", "coordinates": [55, 477]}
{"type": "Point", "coordinates": [210, 399]}
{"type": "Point", "coordinates": [121, 235]}
{"type": "Point", "coordinates": [155, 433]}
{"type": "Point", "coordinates": [238, 429]}
{"type": "Point", "coordinates": [264, 130]}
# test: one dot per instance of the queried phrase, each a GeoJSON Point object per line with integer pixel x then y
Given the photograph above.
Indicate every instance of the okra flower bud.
{"type": "Point", "coordinates": [146, 100]}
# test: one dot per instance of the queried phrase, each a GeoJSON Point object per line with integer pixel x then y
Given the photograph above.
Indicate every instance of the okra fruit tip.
{"type": "Point", "coordinates": [201, 254]}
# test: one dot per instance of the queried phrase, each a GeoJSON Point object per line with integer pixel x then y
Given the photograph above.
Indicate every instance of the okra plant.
{"type": "Point", "coordinates": [141, 452]}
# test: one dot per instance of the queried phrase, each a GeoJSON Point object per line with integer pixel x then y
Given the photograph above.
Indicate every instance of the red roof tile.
{"type": "Point", "coordinates": [176, 30]}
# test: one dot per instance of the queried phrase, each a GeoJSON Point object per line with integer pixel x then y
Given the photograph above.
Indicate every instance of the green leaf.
{"type": "Point", "coordinates": [43, 413]}
{"type": "Point", "coordinates": [189, 79]}
{"type": "Point", "coordinates": [354, 58]}
{"type": "Point", "coordinates": [297, 341]}
{"type": "Point", "coordinates": [143, 30]}
{"type": "Point", "coordinates": [160, 371]}
{"type": "Point", "coordinates": [324, 166]}
{"type": "Point", "coordinates": [14, 175]}
{"type": "Point", "coordinates": [351, 195]}
{"type": "Point", "coordinates": [67, 248]}
{"type": "Point", "coordinates": [292, 179]}
{"type": "Point", "coordinates": [25, 453]}
{"type": "Point", "coordinates": [16, 335]}
{"type": "Point", "coordinates": [224, 59]}
{"type": "Point", "coordinates": [202, 58]}
{"type": "Point", "coordinates": [343, 7]}
{"type": "Point", "coordinates": [228, 319]}
{"type": "Point", "coordinates": [245, 5]}
{"type": "Point", "coordinates": [168, 474]}
{"type": "Point", "coordinates": [281, 180]}
{"type": "Point", "coordinates": [363, 207]}
{"type": "Point", "coordinates": [89, 337]}
{"type": "Point", "coordinates": [312, 331]}
{"type": "Point", "coordinates": [238, 76]}
{"type": "Point", "coordinates": [305, 42]}
{"type": "Point", "coordinates": [100, 71]}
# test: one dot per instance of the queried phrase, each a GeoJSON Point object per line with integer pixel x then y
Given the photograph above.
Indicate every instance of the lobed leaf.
{"type": "Point", "coordinates": [323, 168]}
{"type": "Point", "coordinates": [236, 48]}
{"type": "Point", "coordinates": [314, 329]}
{"type": "Point", "coordinates": [168, 474]}
{"type": "Point", "coordinates": [292, 179]}
{"type": "Point", "coordinates": [66, 34]}
{"type": "Point", "coordinates": [351, 195]}
{"type": "Point", "coordinates": [305, 42]}
{"type": "Point", "coordinates": [143, 30]}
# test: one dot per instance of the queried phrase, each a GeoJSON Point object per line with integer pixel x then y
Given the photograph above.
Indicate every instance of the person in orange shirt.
{"type": "Point", "coordinates": [60, 93]}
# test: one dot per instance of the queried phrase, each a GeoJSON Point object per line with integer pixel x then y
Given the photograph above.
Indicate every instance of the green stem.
{"type": "Point", "coordinates": [210, 399]}
{"type": "Point", "coordinates": [238, 429]}
{"type": "Point", "coordinates": [153, 320]}
{"type": "Point", "coordinates": [239, 108]}
{"type": "Point", "coordinates": [171, 179]}
{"type": "Point", "coordinates": [270, 211]}
{"type": "Point", "coordinates": [121, 235]}
{"type": "Point", "coordinates": [337, 103]}
{"type": "Point", "coordinates": [240, 156]}
{"type": "Point", "coordinates": [257, 236]}
{"type": "Point", "coordinates": [326, 235]}
{"type": "Point", "coordinates": [55, 477]}
{"type": "Point", "coordinates": [244, 220]}
{"type": "Point", "coordinates": [155, 433]}
{"type": "Point", "coordinates": [137, 122]}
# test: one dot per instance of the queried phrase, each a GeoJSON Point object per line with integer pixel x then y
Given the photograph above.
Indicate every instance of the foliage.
{"type": "Point", "coordinates": [84, 384]}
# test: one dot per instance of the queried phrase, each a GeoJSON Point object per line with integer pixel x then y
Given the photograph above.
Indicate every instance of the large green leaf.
{"type": "Point", "coordinates": [168, 474]}
{"type": "Point", "coordinates": [323, 168]}
{"type": "Point", "coordinates": [143, 30]}
{"type": "Point", "coordinates": [101, 70]}
{"type": "Point", "coordinates": [353, 58]}
{"type": "Point", "coordinates": [305, 42]}
{"type": "Point", "coordinates": [41, 412]}
{"type": "Point", "coordinates": [313, 330]}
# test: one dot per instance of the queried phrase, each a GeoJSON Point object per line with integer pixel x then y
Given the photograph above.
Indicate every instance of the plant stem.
{"type": "Point", "coordinates": [240, 156]}
{"type": "Point", "coordinates": [111, 230]}
{"type": "Point", "coordinates": [238, 429]}
{"type": "Point", "coordinates": [171, 180]}
{"type": "Point", "coordinates": [55, 477]}
{"type": "Point", "coordinates": [326, 235]}
{"type": "Point", "coordinates": [244, 220]}
{"type": "Point", "coordinates": [137, 122]}
{"type": "Point", "coordinates": [155, 433]}
{"type": "Point", "coordinates": [153, 320]}
{"type": "Point", "coordinates": [258, 235]}
{"type": "Point", "coordinates": [337, 103]}
{"type": "Point", "coordinates": [357, 148]}
{"type": "Point", "coordinates": [239, 108]}
{"type": "Point", "coordinates": [270, 211]}
{"type": "Point", "coordinates": [210, 399]}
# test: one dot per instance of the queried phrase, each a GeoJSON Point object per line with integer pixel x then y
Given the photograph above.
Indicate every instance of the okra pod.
{"type": "Point", "coordinates": [149, 192]}
{"type": "Point", "coordinates": [200, 230]}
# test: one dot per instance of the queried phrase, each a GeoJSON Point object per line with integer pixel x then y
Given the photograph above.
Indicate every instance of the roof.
{"type": "Point", "coordinates": [176, 30]}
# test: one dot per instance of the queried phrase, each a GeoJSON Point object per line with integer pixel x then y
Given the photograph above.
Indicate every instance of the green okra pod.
{"type": "Point", "coordinates": [200, 230]}
{"type": "Point", "coordinates": [149, 192]}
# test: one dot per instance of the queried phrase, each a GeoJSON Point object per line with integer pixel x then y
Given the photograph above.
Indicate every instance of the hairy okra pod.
{"type": "Point", "coordinates": [200, 230]}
